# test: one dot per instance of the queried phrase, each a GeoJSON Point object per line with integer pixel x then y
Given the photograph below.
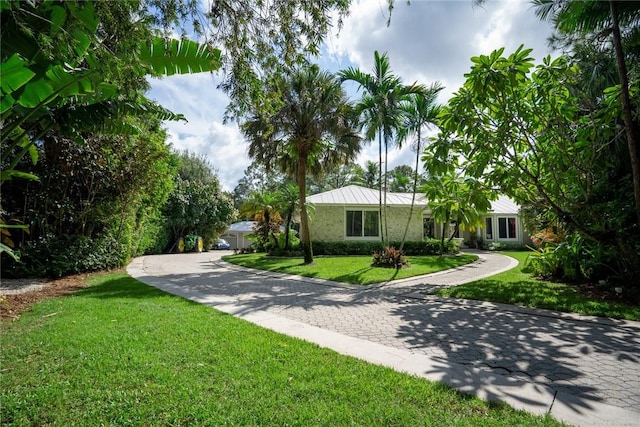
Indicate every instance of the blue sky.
{"type": "Point", "coordinates": [427, 41]}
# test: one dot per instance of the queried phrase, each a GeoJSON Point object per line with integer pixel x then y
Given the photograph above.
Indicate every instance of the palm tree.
{"type": "Point", "coordinates": [263, 207]}
{"type": "Point", "coordinates": [379, 109]}
{"type": "Point", "coordinates": [312, 129]}
{"type": "Point", "coordinates": [420, 112]}
{"type": "Point", "coordinates": [371, 179]}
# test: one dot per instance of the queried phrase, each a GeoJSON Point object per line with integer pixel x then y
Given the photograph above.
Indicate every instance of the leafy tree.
{"type": "Point", "coordinates": [255, 179]}
{"type": "Point", "coordinates": [338, 177]}
{"type": "Point", "coordinates": [310, 130]}
{"type": "Point", "coordinates": [94, 206]}
{"type": "Point", "coordinates": [379, 110]}
{"type": "Point", "coordinates": [533, 134]}
{"type": "Point", "coordinates": [74, 69]}
{"type": "Point", "coordinates": [618, 19]}
{"type": "Point", "coordinates": [197, 205]}
{"type": "Point", "coordinates": [420, 113]}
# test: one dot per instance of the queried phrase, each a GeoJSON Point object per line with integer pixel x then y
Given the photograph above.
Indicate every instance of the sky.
{"type": "Point", "coordinates": [427, 41]}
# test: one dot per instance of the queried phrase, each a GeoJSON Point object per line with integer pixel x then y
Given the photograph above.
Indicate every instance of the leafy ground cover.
{"type": "Point", "coordinates": [517, 287]}
{"type": "Point", "coordinates": [350, 269]}
{"type": "Point", "coordinates": [122, 353]}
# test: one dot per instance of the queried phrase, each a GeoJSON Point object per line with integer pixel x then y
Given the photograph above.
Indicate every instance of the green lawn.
{"type": "Point", "coordinates": [517, 287]}
{"type": "Point", "coordinates": [123, 353]}
{"type": "Point", "coordinates": [350, 269]}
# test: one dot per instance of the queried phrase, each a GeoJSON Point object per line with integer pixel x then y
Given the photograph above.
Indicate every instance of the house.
{"type": "Point", "coordinates": [352, 214]}
{"type": "Point", "coordinates": [238, 234]}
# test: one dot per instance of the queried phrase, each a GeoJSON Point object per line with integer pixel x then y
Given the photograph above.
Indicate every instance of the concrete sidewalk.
{"type": "Point", "coordinates": [582, 370]}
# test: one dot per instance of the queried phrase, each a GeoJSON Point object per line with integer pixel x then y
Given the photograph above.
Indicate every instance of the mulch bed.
{"type": "Point", "coordinates": [11, 306]}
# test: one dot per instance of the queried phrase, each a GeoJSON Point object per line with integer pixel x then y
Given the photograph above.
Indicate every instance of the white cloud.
{"type": "Point", "coordinates": [427, 41]}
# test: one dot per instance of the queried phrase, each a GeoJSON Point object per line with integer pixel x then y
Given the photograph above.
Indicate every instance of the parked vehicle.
{"type": "Point", "coordinates": [221, 244]}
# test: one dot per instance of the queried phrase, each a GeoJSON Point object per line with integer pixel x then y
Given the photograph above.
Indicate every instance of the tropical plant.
{"type": "Point", "coordinates": [389, 257]}
{"type": "Point", "coordinates": [311, 129]}
{"type": "Point", "coordinates": [379, 111]}
{"type": "Point", "coordinates": [619, 20]}
{"type": "Point", "coordinates": [420, 112]}
{"type": "Point", "coordinates": [458, 200]}
{"type": "Point", "coordinates": [263, 208]}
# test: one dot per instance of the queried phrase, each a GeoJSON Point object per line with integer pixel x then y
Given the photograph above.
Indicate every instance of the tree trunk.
{"type": "Point", "coordinates": [632, 139]}
{"type": "Point", "coordinates": [305, 237]}
{"type": "Point", "coordinates": [384, 205]}
{"type": "Point", "coordinates": [380, 186]}
{"type": "Point", "coordinates": [413, 195]}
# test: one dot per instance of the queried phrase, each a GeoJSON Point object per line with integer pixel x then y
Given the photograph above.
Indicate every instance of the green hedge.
{"type": "Point", "coordinates": [427, 247]}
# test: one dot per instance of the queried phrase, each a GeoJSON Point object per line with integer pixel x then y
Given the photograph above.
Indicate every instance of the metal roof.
{"type": "Point", "coordinates": [355, 195]}
{"type": "Point", "coordinates": [242, 226]}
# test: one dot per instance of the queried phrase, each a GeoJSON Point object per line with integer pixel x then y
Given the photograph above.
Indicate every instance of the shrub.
{"type": "Point", "coordinates": [190, 241]}
{"type": "Point", "coordinates": [426, 247]}
{"type": "Point", "coordinates": [389, 257]}
{"type": "Point", "coordinates": [57, 256]}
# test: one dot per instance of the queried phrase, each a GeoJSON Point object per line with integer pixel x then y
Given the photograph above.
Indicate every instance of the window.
{"type": "Point", "coordinates": [507, 228]}
{"type": "Point", "coordinates": [488, 228]}
{"type": "Point", "coordinates": [428, 228]}
{"type": "Point", "coordinates": [362, 224]}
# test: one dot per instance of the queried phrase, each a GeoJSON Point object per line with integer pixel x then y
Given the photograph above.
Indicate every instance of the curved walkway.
{"type": "Point", "coordinates": [583, 370]}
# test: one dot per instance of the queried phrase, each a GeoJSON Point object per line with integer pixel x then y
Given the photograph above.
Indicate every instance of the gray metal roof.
{"type": "Point", "coordinates": [355, 195]}
{"type": "Point", "coordinates": [242, 226]}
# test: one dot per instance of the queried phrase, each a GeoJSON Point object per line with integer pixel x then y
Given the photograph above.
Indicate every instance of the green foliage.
{"type": "Point", "coordinates": [517, 287]}
{"type": "Point", "coordinates": [57, 256]}
{"type": "Point", "coordinates": [190, 241]}
{"type": "Point", "coordinates": [426, 247]}
{"type": "Point", "coordinates": [109, 188]}
{"type": "Point", "coordinates": [312, 128]}
{"type": "Point", "coordinates": [389, 257]}
{"type": "Point", "coordinates": [538, 134]}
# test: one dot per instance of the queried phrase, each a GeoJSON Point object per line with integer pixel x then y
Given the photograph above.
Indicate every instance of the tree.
{"type": "Point", "coordinates": [197, 204]}
{"type": "Point", "coordinates": [263, 208]}
{"type": "Point", "coordinates": [532, 133]}
{"type": "Point", "coordinates": [337, 177]}
{"type": "Point", "coordinates": [401, 177]}
{"type": "Point", "coordinates": [311, 129]}
{"type": "Point", "coordinates": [420, 113]}
{"type": "Point", "coordinates": [371, 178]}
{"type": "Point", "coordinates": [455, 199]}
{"type": "Point", "coordinates": [68, 73]}
{"type": "Point", "coordinates": [255, 179]}
{"type": "Point", "coordinates": [379, 110]}
{"type": "Point", "coordinates": [612, 17]}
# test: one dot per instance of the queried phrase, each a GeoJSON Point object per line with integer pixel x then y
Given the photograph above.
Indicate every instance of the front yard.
{"type": "Point", "coordinates": [350, 269]}
{"type": "Point", "coordinates": [123, 353]}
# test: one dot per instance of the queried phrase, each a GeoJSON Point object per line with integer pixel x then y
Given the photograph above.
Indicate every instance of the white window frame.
{"type": "Point", "coordinates": [362, 236]}
{"type": "Point", "coordinates": [506, 218]}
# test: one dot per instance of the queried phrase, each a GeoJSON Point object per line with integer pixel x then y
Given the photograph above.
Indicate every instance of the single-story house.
{"type": "Point", "coordinates": [237, 234]}
{"type": "Point", "coordinates": [351, 213]}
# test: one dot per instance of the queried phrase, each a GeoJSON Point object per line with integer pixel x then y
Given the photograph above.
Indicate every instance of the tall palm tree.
{"type": "Point", "coordinates": [419, 113]}
{"type": "Point", "coordinates": [312, 129]}
{"type": "Point", "coordinates": [379, 109]}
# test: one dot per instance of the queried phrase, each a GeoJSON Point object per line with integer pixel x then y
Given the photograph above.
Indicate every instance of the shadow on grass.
{"type": "Point", "coordinates": [583, 360]}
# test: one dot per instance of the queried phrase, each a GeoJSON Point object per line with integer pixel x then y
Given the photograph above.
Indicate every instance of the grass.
{"type": "Point", "coordinates": [516, 287]}
{"type": "Point", "coordinates": [123, 353]}
{"type": "Point", "coordinates": [350, 269]}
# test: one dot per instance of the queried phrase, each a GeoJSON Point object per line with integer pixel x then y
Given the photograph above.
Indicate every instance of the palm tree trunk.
{"type": "Point", "coordinates": [386, 172]}
{"type": "Point", "coordinates": [380, 185]}
{"type": "Point", "coordinates": [413, 193]}
{"type": "Point", "coordinates": [632, 139]}
{"type": "Point", "coordinates": [305, 237]}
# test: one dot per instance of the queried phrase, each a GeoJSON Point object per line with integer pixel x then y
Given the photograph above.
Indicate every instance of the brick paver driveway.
{"type": "Point", "coordinates": [583, 360]}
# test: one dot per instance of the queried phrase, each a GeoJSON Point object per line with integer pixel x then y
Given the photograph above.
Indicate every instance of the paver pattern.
{"type": "Point", "coordinates": [593, 359]}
